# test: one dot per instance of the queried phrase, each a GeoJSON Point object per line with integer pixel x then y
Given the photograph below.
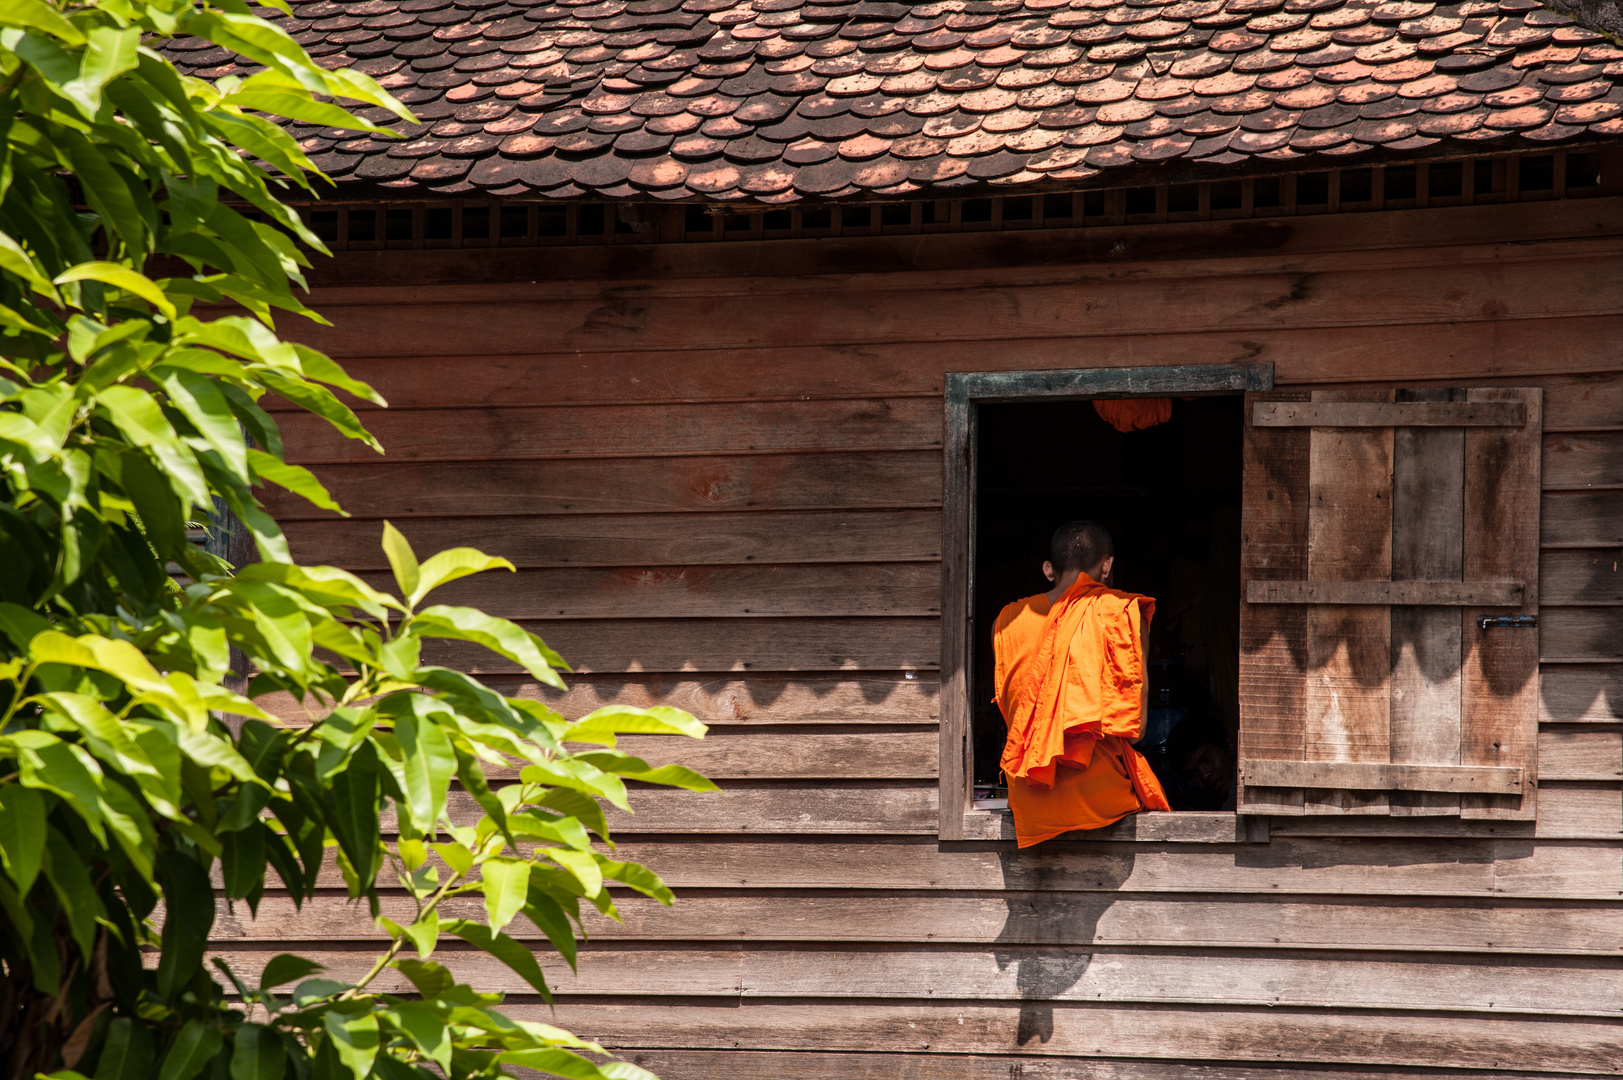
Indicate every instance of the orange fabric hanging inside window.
{"type": "Point", "coordinates": [1134, 414]}
{"type": "Point", "coordinates": [1070, 683]}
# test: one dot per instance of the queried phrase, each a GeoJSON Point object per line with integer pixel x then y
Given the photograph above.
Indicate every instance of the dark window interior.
{"type": "Point", "coordinates": [1170, 496]}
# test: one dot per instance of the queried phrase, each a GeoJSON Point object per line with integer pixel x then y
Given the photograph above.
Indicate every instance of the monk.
{"type": "Point", "coordinates": [1071, 685]}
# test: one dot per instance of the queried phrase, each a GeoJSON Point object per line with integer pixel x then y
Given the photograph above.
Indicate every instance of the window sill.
{"type": "Point", "coordinates": [1153, 827]}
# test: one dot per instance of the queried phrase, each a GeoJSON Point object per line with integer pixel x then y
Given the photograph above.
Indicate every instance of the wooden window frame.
{"type": "Point", "coordinates": [964, 392]}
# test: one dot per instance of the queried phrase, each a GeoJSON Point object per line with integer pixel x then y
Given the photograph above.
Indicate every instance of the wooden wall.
{"type": "Point", "coordinates": [719, 471]}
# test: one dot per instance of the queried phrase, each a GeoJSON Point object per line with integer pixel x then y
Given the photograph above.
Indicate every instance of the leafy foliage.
{"type": "Point", "coordinates": [138, 775]}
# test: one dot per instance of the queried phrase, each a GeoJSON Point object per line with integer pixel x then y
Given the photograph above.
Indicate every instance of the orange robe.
{"type": "Point", "coordinates": [1133, 414]}
{"type": "Point", "coordinates": [1070, 683]}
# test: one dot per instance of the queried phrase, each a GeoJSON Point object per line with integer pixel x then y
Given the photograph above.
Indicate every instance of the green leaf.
{"type": "Point", "coordinates": [71, 881]}
{"type": "Point", "coordinates": [285, 968]}
{"type": "Point", "coordinates": [355, 1037]}
{"type": "Point", "coordinates": [672, 776]}
{"type": "Point", "coordinates": [191, 1050]}
{"type": "Point", "coordinates": [552, 920]}
{"type": "Point", "coordinates": [120, 277]}
{"type": "Point", "coordinates": [127, 1052]}
{"type": "Point", "coordinates": [425, 1027]}
{"type": "Point", "coordinates": [448, 566]}
{"type": "Point", "coordinates": [242, 861]}
{"type": "Point", "coordinates": [639, 877]}
{"type": "Point", "coordinates": [352, 805]}
{"type": "Point", "coordinates": [603, 724]}
{"type": "Point", "coordinates": [188, 917]}
{"type": "Point", "coordinates": [199, 399]}
{"type": "Point", "coordinates": [506, 887]}
{"type": "Point", "coordinates": [258, 1054]}
{"type": "Point", "coordinates": [498, 635]}
{"type": "Point", "coordinates": [430, 977]}
{"type": "Point", "coordinates": [110, 54]}
{"type": "Point", "coordinates": [503, 948]}
{"type": "Point", "coordinates": [295, 478]}
{"type": "Point", "coordinates": [582, 864]}
{"type": "Point", "coordinates": [137, 415]}
{"type": "Point", "coordinates": [430, 763]}
{"type": "Point", "coordinates": [40, 16]}
{"type": "Point", "coordinates": [401, 559]}
{"type": "Point", "coordinates": [553, 1061]}
{"type": "Point", "coordinates": [22, 833]}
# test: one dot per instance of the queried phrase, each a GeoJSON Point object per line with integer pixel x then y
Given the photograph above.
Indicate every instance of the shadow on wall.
{"type": "Point", "coordinates": [1048, 933]}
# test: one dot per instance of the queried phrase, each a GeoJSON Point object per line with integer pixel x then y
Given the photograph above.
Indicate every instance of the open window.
{"type": "Point", "coordinates": [1349, 577]}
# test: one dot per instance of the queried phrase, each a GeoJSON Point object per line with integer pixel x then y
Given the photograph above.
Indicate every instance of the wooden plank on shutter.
{"type": "Point", "coordinates": [1375, 414]}
{"type": "Point", "coordinates": [1273, 638]}
{"type": "Point", "coordinates": [1428, 526]}
{"type": "Point", "coordinates": [1384, 777]}
{"type": "Point", "coordinates": [1417, 593]}
{"type": "Point", "coordinates": [1499, 675]}
{"type": "Point", "coordinates": [1349, 647]}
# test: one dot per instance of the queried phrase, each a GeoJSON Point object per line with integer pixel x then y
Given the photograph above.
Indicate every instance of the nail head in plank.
{"type": "Point", "coordinates": [1374, 776]}
{"type": "Point", "coordinates": [1357, 414]}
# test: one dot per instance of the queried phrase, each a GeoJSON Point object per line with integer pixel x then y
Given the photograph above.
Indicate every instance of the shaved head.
{"type": "Point", "coordinates": [1080, 545]}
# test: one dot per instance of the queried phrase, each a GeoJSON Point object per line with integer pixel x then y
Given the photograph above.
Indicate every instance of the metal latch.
{"type": "Point", "coordinates": [1485, 621]}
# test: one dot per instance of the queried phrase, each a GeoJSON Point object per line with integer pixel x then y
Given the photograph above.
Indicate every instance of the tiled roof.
{"type": "Point", "coordinates": [781, 100]}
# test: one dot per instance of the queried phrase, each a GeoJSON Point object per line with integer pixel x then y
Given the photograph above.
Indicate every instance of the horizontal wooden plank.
{"type": "Point", "coordinates": [1583, 460]}
{"type": "Point", "coordinates": [1276, 1035]}
{"type": "Point", "coordinates": [698, 592]}
{"type": "Point", "coordinates": [1175, 827]}
{"type": "Point", "coordinates": [1583, 634]}
{"type": "Point", "coordinates": [878, 1064]}
{"type": "Point", "coordinates": [1092, 300]}
{"type": "Point", "coordinates": [1581, 519]}
{"type": "Point", "coordinates": [1581, 693]}
{"type": "Point", "coordinates": [1575, 577]}
{"type": "Point", "coordinates": [1113, 381]}
{"type": "Point", "coordinates": [1580, 753]}
{"type": "Point", "coordinates": [1377, 240]}
{"type": "Point", "coordinates": [1477, 353]}
{"type": "Point", "coordinates": [639, 540]}
{"type": "Point", "coordinates": [1370, 776]}
{"type": "Point", "coordinates": [1583, 402]}
{"type": "Point", "coordinates": [777, 645]}
{"type": "Point", "coordinates": [747, 755]}
{"type": "Point", "coordinates": [1567, 810]}
{"type": "Point", "coordinates": [596, 431]}
{"type": "Point", "coordinates": [1273, 977]}
{"type": "Point", "coordinates": [1414, 593]}
{"type": "Point", "coordinates": [1343, 414]}
{"type": "Point", "coordinates": [1013, 918]}
{"type": "Point", "coordinates": [858, 481]}
{"type": "Point", "coordinates": [725, 700]}
{"type": "Point", "coordinates": [1356, 866]}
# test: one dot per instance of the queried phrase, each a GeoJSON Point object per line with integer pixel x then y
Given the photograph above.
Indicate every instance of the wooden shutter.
{"type": "Point", "coordinates": [1380, 529]}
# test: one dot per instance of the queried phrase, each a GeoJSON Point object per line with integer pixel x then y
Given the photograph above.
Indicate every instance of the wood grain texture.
{"type": "Point", "coordinates": [1581, 578]}
{"type": "Point", "coordinates": [1367, 240]}
{"type": "Point", "coordinates": [1568, 810]}
{"type": "Point", "coordinates": [671, 645]}
{"type": "Point", "coordinates": [1386, 593]}
{"type": "Point", "coordinates": [1584, 635]}
{"type": "Point", "coordinates": [955, 742]}
{"type": "Point", "coordinates": [1584, 1046]}
{"type": "Point", "coordinates": [639, 431]}
{"type": "Point", "coordinates": [698, 592]}
{"type": "Point", "coordinates": [1581, 693]}
{"type": "Point", "coordinates": [1499, 680]}
{"type": "Point", "coordinates": [1079, 300]}
{"type": "Point", "coordinates": [1272, 977]}
{"type": "Point", "coordinates": [1382, 776]}
{"type": "Point", "coordinates": [1014, 918]}
{"type": "Point", "coordinates": [1428, 544]}
{"type": "Point", "coordinates": [1581, 519]}
{"type": "Point", "coordinates": [748, 755]}
{"type": "Point", "coordinates": [1273, 638]}
{"type": "Point", "coordinates": [1580, 753]}
{"type": "Point", "coordinates": [1587, 460]}
{"type": "Point", "coordinates": [617, 540]}
{"type": "Point", "coordinates": [626, 486]}
{"type": "Point", "coordinates": [882, 1065]}
{"type": "Point", "coordinates": [1349, 538]}
{"type": "Point", "coordinates": [1412, 353]}
{"type": "Point", "coordinates": [1404, 413]}
{"type": "Point", "coordinates": [1518, 867]}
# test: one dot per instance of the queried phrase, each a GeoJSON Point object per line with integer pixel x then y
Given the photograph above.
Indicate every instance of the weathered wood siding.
{"type": "Point", "coordinates": [719, 470]}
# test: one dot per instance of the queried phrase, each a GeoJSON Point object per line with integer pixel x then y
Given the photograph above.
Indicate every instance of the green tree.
{"type": "Point", "coordinates": [129, 409]}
